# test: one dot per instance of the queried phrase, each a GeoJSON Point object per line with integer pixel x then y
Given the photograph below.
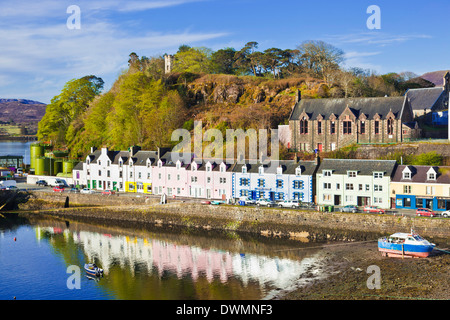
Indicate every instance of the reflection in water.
{"type": "Point", "coordinates": [165, 267]}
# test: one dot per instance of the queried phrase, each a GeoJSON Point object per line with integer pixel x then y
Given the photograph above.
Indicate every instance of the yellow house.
{"type": "Point", "coordinates": [415, 187]}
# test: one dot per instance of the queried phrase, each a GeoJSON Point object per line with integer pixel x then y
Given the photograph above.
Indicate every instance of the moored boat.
{"type": "Point", "coordinates": [405, 245]}
{"type": "Point", "coordinates": [93, 270]}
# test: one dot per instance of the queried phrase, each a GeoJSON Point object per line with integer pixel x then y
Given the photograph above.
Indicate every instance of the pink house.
{"type": "Point", "coordinates": [210, 179]}
{"type": "Point", "coordinates": [170, 175]}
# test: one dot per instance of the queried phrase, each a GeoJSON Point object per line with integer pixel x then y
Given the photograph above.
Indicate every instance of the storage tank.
{"type": "Point", "coordinates": [57, 166]}
{"type": "Point", "coordinates": [36, 151]}
{"type": "Point", "coordinates": [68, 166]}
{"type": "Point", "coordinates": [42, 166]}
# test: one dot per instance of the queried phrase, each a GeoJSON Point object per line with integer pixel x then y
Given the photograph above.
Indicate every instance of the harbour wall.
{"type": "Point", "coordinates": [266, 221]}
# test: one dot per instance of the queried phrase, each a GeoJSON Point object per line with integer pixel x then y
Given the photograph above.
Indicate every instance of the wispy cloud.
{"type": "Point", "coordinates": [374, 38]}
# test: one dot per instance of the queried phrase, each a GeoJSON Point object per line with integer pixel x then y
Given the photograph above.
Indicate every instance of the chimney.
{"type": "Point", "coordinates": [133, 150]}
{"type": "Point", "coordinates": [93, 149]}
{"type": "Point", "coordinates": [298, 96]}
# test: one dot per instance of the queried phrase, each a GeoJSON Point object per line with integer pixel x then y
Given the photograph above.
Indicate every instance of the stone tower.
{"type": "Point", "coordinates": [168, 63]}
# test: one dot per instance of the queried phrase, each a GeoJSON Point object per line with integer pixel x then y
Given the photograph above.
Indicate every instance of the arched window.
{"type": "Point", "coordinates": [390, 126]}
{"type": "Point", "coordinates": [303, 126]}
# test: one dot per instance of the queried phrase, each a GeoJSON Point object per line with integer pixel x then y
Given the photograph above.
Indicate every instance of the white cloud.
{"type": "Point", "coordinates": [33, 51]}
{"type": "Point", "coordinates": [374, 38]}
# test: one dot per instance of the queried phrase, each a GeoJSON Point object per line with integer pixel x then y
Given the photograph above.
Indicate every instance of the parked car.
{"type": "Point", "coordinates": [247, 200]}
{"type": "Point", "coordinates": [289, 204]}
{"type": "Point", "coordinates": [42, 183]}
{"type": "Point", "coordinates": [74, 190]}
{"type": "Point", "coordinates": [12, 188]}
{"type": "Point", "coordinates": [425, 212]}
{"type": "Point", "coordinates": [87, 191]}
{"type": "Point", "coordinates": [446, 214]}
{"type": "Point", "coordinates": [58, 189]}
{"type": "Point", "coordinates": [265, 202]}
{"type": "Point", "coordinates": [108, 192]}
{"type": "Point", "coordinates": [373, 209]}
{"type": "Point", "coordinates": [349, 208]}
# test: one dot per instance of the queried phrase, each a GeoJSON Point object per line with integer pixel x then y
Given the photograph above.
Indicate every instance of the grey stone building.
{"type": "Point", "coordinates": [330, 124]}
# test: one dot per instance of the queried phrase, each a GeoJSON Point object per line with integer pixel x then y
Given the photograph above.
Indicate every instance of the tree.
{"type": "Point", "coordinates": [223, 61]}
{"type": "Point", "coordinates": [320, 58]}
{"type": "Point", "coordinates": [273, 60]}
{"type": "Point", "coordinates": [67, 106]}
{"type": "Point", "coordinates": [193, 60]}
{"type": "Point", "coordinates": [246, 58]}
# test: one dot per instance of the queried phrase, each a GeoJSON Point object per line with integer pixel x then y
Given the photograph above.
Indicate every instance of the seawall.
{"type": "Point", "coordinates": [266, 221]}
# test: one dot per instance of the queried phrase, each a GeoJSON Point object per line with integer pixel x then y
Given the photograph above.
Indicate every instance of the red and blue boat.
{"type": "Point", "coordinates": [405, 245]}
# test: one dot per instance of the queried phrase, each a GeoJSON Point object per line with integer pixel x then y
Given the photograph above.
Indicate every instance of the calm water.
{"type": "Point", "coordinates": [149, 263]}
{"type": "Point", "coordinates": [16, 148]}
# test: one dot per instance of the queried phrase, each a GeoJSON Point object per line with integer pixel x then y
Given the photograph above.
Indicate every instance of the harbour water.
{"type": "Point", "coordinates": [43, 259]}
{"type": "Point", "coordinates": [16, 148]}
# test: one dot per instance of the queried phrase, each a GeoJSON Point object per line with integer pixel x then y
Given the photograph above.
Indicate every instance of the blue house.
{"type": "Point", "coordinates": [276, 180]}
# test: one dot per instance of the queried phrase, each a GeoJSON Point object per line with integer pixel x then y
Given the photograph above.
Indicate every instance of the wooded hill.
{"type": "Point", "coordinates": [223, 89]}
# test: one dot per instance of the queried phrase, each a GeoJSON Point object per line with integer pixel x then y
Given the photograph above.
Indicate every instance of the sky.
{"type": "Point", "coordinates": [41, 50]}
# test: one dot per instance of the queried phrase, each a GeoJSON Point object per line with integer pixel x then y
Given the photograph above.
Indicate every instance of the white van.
{"type": "Point", "coordinates": [7, 184]}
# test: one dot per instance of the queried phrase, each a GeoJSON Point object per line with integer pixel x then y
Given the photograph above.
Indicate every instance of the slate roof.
{"type": "Point", "coordinates": [79, 166]}
{"type": "Point", "coordinates": [363, 167]}
{"type": "Point", "coordinates": [358, 106]}
{"type": "Point", "coordinates": [289, 166]}
{"type": "Point", "coordinates": [419, 175]}
{"type": "Point", "coordinates": [424, 98]}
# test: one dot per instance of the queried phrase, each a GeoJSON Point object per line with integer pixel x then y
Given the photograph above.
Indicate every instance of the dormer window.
{"type": "Point", "coordinates": [120, 163]}
{"type": "Point", "coordinates": [431, 174]}
{"type": "Point", "coordinates": [406, 174]}
{"type": "Point", "coordinates": [223, 167]}
{"type": "Point", "coordinates": [131, 163]}
{"type": "Point", "coordinates": [194, 166]}
{"type": "Point", "coordinates": [178, 165]}
{"type": "Point", "coordinates": [261, 170]}
{"type": "Point", "coordinates": [327, 173]}
{"type": "Point", "coordinates": [159, 164]}
{"type": "Point", "coordinates": [88, 161]}
{"type": "Point", "coordinates": [280, 170]}
{"type": "Point", "coordinates": [351, 174]}
{"type": "Point", "coordinates": [378, 175]}
{"type": "Point", "coordinates": [244, 169]}
{"type": "Point", "coordinates": [298, 171]}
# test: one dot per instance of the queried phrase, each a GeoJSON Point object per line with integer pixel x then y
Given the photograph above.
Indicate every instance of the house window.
{"type": "Point", "coordinates": [244, 169]}
{"type": "Point", "coordinates": [390, 126]}
{"type": "Point", "coordinates": [430, 190]}
{"type": "Point", "coordinates": [193, 179]}
{"type": "Point", "coordinates": [378, 175]}
{"type": "Point", "coordinates": [319, 127]}
{"type": "Point", "coordinates": [178, 177]}
{"type": "Point", "coordinates": [360, 187]}
{"type": "Point", "coordinates": [326, 197]}
{"type": "Point", "coordinates": [338, 186]}
{"type": "Point", "coordinates": [377, 187]}
{"type": "Point", "coordinates": [279, 183]}
{"type": "Point", "coordinates": [298, 171]}
{"type": "Point", "coordinates": [297, 196]}
{"type": "Point", "coordinates": [298, 184]}
{"type": "Point", "coordinates": [347, 127]}
{"type": "Point", "coordinates": [327, 173]}
{"type": "Point", "coordinates": [208, 180]}
{"type": "Point", "coordinates": [377, 200]}
{"type": "Point", "coordinates": [168, 176]}
{"type": "Point", "coordinates": [362, 127]}
{"type": "Point", "coordinates": [244, 181]}
{"type": "Point", "coordinates": [303, 126]}
{"type": "Point", "coordinates": [431, 176]}
{"type": "Point", "coordinates": [140, 175]}
{"type": "Point", "coordinates": [349, 186]}
{"type": "Point", "coordinates": [377, 127]}
{"type": "Point", "coordinates": [327, 186]}
{"type": "Point", "coordinates": [108, 173]}
{"type": "Point", "coordinates": [99, 173]}
{"type": "Point", "coordinates": [351, 174]}
{"type": "Point", "coordinates": [131, 174]}
{"type": "Point", "coordinates": [222, 169]}
{"type": "Point", "coordinates": [120, 174]}
{"type": "Point", "coordinates": [333, 128]}
{"type": "Point", "coordinates": [367, 187]}
{"type": "Point", "coordinates": [406, 175]}
{"type": "Point", "coordinates": [261, 182]}
{"type": "Point", "coordinates": [407, 189]}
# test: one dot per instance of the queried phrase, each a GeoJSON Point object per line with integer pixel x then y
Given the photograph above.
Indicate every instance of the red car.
{"type": "Point", "coordinates": [373, 209]}
{"type": "Point", "coordinates": [425, 212]}
{"type": "Point", "coordinates": [108, 192]}
{"type": "Point", "coordinates": [58, 189]}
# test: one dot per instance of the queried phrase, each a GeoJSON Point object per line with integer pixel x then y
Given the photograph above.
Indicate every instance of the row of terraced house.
{"type": "Point", "coordinates": [337, 182]}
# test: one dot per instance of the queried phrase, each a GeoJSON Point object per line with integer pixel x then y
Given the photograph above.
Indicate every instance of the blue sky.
{"type": "Point", "coordinates": [40, 54]}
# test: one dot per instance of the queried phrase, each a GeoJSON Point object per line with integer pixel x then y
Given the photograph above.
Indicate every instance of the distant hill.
{"type": "Point", "coordinates": [436, 77]}
{"type": "Point", "coordinates": [21, 110]}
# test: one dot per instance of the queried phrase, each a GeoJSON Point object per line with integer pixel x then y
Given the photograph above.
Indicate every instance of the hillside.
{"type": "Point", "coordinates": [435, 77]}
{"type": "Point", "coordinates": [21, 111]}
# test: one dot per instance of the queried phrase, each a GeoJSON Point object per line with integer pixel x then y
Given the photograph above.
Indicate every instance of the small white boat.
{"type": "Point", "coordinates": [93, 270]}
